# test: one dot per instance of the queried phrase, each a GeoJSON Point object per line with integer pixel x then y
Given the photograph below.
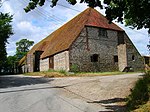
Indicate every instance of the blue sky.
{"type": "Point", "coordinates": [42, 21]}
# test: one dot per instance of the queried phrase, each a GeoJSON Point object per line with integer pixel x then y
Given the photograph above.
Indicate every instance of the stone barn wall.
{"type": "Point", "coordinates": [98, 49]}
{"type": "Point", "coordinates": [30, 62]}
{"type": "Point", "coordinates": [122, 51]}
{"type": "Point", "coordinates": [134, 59]}
{"type": "Point", "coordinates": [44, 64]}
{"type": "Point", "coordinates": [95, 50]}
{"type": "Point", "coordinates": [122, 57]}
{"type": "Point", "coordinates": [61, 61]}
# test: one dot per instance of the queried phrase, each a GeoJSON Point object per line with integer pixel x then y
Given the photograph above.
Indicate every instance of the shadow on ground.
{"type": "Point", "coordinates": [112, 104]}
{"type": "Point", "coordinates": [17, 81]}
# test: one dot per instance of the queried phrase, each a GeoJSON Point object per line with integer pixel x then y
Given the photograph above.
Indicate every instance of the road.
{"type": "Point", "coordinates": [20, 93]}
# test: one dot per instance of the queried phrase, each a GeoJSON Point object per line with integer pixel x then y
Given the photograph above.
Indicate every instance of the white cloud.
{"type": "Point", "coordinates": [7, 8]}
{"type": "Point", "coordinates": [26, 26]}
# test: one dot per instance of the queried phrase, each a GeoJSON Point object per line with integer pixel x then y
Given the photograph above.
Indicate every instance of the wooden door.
{"type": "Point", "coordinates": [51, 62]}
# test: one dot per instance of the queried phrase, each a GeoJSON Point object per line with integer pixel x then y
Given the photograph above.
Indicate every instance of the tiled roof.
{"type": "Point", "coordinates": [62, 38]}
{"type": "Point", "coordinates": [98, 20]}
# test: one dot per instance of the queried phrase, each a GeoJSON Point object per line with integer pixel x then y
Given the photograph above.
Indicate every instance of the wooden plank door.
{"type": "Point", "coordinates": [51, 62]}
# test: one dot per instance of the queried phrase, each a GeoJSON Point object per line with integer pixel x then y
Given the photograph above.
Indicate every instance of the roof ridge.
{"type": "Point", "coordinates": [64, 36]}
{"type": "Point", "coordinates": [88, 15]}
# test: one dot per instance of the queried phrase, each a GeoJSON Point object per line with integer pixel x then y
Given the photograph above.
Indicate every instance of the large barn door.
{"type": "Point", "coordinates": [51, 62]}
{"type": "Point", "coordinates": [36, 65]}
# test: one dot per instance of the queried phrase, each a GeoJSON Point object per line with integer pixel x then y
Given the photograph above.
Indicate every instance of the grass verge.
{"type": "Point", "coordinates": [62, 73]}
{"type": "Point", "coordinates": [48, 74]}
{"type": "Point", "coordinates": [139, 99]}
{"type": "Point", "coordinates": [89, 74]}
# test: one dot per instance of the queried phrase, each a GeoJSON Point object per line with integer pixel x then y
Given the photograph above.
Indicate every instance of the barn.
{"type": "Point", "coordinates": [87, 43]}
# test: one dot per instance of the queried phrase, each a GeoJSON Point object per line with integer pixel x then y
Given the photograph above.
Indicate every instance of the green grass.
{"type": "Point", "coordinates": [143, 108]}
{"type": "Point", "coordinates": [102, 73]}
{"type": "Point", "coordinates": [48, 74]}
{"type": "Point", "coordinates": [63, 73]}
{"type": "Point", "coordinates": [140, 95]}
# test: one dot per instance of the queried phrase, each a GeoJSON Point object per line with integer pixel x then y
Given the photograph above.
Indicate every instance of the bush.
{"type": "Point", "coordinates": [74, 68]}
{"type": "Point", "coordinates": [140, 93]}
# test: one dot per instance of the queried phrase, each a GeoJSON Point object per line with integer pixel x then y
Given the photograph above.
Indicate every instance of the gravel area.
{"type": "Point", "coordinates": [107, 91]}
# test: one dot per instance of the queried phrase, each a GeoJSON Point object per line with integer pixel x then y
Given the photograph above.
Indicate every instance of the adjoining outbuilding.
{"type": "Point", "coordinates": [147, 62]}
{"type": "Point", "coordinates": [86, 43]}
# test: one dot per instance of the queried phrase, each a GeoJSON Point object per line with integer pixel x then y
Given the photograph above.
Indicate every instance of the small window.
{"type": "Point", "coordinates": [120, 38]}
{"type": "Point", "coordinates": [115, 59]}
{"type": "Point", "coordinates": [94, 58]}
{"type": "Point", "coordinates": [102, 32]}
{"type": "Point", "coordinates": [133, 58]}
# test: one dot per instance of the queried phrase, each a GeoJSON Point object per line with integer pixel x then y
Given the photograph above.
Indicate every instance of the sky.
{"type": "Point", "coordinates": [39, 23]}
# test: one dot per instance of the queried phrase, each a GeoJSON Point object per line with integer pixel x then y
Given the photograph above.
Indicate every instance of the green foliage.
{"type": "Point", "coordinates": [74, 68]}
{"type": "Point", "coordinates": [60, 71]}
{"type": "Point", "coordinates": [140, 93]}
{"type": "Point", "coordinates": [144, 108]}
{"type": "Point", "coordinates": [23, 47]}
{"type": "Point", "coordinates": [11, 64]}
{"type": "Point", "coordinates": [5, 33]}
{"type": "Point", "coordinates": [51, 70]}
{"type": "Point", "coordinates": [20, 55]}
{"type": "Point", "coordinates": [63, 72]}
{"type": "Point", "coordinates": [137, 13]}
{"type": "Point", "coordinates": [134, 12]}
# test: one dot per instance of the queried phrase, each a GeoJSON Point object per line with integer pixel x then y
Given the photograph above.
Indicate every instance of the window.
{"type": "Point", "coordinates": [115, 58]}
{"type": "Point", "coordinates": [133, 58]}
{"type": "Point", "coordinates": [102, 32]}
{"type": "Point", "coordinates": [94, 58]}
{"type": "Point", "coordinates": [120, 38]}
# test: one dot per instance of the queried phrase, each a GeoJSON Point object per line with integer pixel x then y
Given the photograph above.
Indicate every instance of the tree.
{"type": "Point", "coordinates": [135, 13]}
{"type": "Point", "coordinates": [5, 33]}
{"type": "Point", "coordinates": [23, 47]}
{"type": "Point", "coordinates": [11, 64]}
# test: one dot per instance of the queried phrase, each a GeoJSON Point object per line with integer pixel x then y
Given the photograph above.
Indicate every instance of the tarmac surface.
{"type": "Point", "coordinates": [20, 93]}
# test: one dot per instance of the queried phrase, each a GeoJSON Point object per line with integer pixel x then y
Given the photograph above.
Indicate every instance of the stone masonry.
{"type": "Point", "coordinates": [91, 42]}
{"type": "Point", "coordinates": [61, 61]}
{"type": "Point", "coordinates": [44, 64]}
{"type": "Point", "coordinates": [113, 54]}
{"type": "Point", "coordinates": [30, 62]}
{"type": "Point", "coordinates": [134, 59]}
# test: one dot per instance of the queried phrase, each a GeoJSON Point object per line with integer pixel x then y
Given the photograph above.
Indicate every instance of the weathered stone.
{"type": "Point", "coordinates": [61, 61]}
{"type": "Point", "coordinates": [44, 64]}
{"type": "Point", "coordinates": [30, 62]}
{"type": "Point", "coordinates": [106, 48]}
